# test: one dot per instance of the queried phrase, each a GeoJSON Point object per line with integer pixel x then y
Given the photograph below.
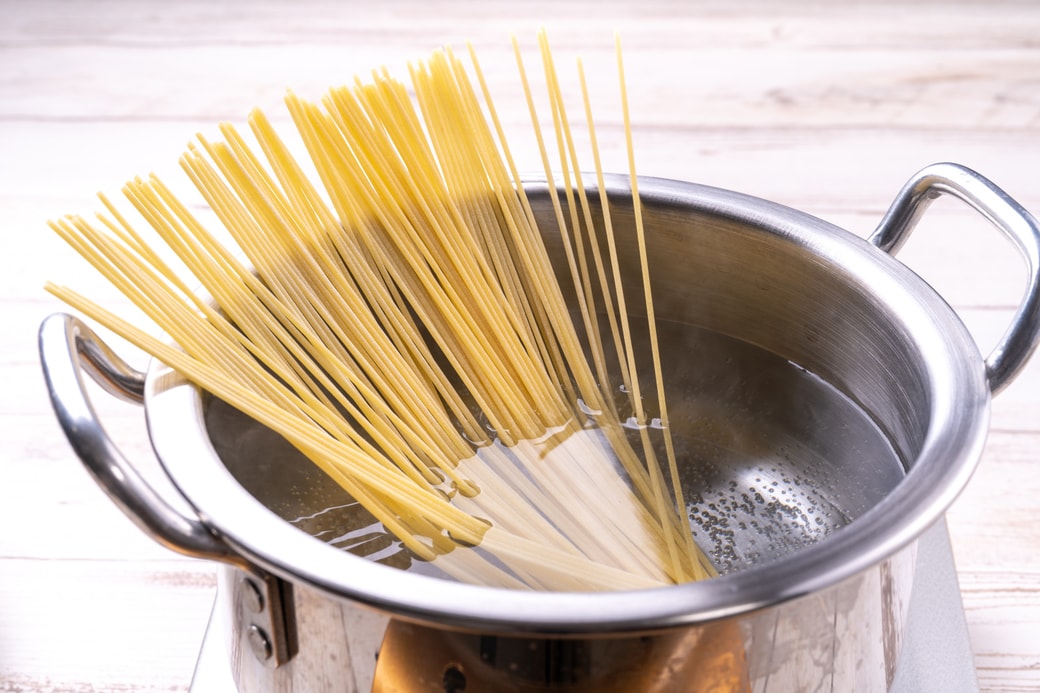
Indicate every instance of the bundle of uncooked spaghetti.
{"type": "Point", "coordinates": [402, 326]}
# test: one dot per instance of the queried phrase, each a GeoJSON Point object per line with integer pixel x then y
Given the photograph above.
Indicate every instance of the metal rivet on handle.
{"type": "Point", "coordinates": [259, 643]}
{"type": "Point", "coordinates": [252, 597]}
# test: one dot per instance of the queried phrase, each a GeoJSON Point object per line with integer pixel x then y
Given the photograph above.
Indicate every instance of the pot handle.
{"type": "Point", "coordinates": [1018, 342]}
{"type": "Point", "coordinates": [67, 349]}
{"type": "Point", "coordinates": [262, 602]}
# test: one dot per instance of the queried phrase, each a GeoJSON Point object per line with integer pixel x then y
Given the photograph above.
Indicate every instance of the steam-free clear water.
{"type": "Point", "coordinates": [772, 457]}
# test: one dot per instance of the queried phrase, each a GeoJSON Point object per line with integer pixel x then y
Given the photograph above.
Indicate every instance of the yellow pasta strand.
{"type": "Point", "coordinates": [399, 322]}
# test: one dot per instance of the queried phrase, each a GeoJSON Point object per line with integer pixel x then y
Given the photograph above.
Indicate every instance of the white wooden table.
{"type": "Point", "coordinates": [825, 107]}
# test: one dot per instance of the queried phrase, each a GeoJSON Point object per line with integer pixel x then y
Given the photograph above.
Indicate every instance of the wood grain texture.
{"type": "Point", "coordinates": [828, 108]}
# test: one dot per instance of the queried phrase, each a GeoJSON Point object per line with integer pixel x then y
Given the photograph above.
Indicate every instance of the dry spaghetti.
{"type": "Point", "coordinates": [399, 321]}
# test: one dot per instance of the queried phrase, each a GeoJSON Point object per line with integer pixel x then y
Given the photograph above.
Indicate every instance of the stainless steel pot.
{"type": "Point", "coordinates": [767, 460]}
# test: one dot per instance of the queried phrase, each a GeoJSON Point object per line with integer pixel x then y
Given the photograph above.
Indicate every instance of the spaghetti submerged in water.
{"type": "Point", "coordinates": [403, 327]}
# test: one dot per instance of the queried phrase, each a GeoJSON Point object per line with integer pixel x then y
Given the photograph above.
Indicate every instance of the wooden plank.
{"type": "Point", "coordinates": [80, 626]}
{"type": "Point", "coordinates": [61, 166]}
{"type": "Point", "coordinates": [61, 511]}
{"type": "Point", "coordinates": [754, 24]}
{"type": "Point", "coordinates": [994, 521]}
{"type": "Point", "coordinates": [712, 66]}
{"type": "Point", "coordinates": [994, 535]}
{"type": "Point", "coordinates": [865, 88]}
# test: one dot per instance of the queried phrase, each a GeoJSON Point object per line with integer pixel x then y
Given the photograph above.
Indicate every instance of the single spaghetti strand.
{"type": "Point", "coordinates": [601, 273]}
{"type": "Point", "coordinates": [565, 145]}
{"type": "Point", "coordinates": [680, 502]}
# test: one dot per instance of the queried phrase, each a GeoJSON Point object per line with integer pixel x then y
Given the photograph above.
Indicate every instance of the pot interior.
{"type": "Point", "coordinates": [796, 394]}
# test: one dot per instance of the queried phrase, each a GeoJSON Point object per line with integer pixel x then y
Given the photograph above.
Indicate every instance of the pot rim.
{"type": "Point", "coordinates": [958, 420]}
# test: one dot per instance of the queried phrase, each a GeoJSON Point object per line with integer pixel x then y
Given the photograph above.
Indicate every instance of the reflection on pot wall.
{"type": "Point", "coordinates": [845, 638]}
